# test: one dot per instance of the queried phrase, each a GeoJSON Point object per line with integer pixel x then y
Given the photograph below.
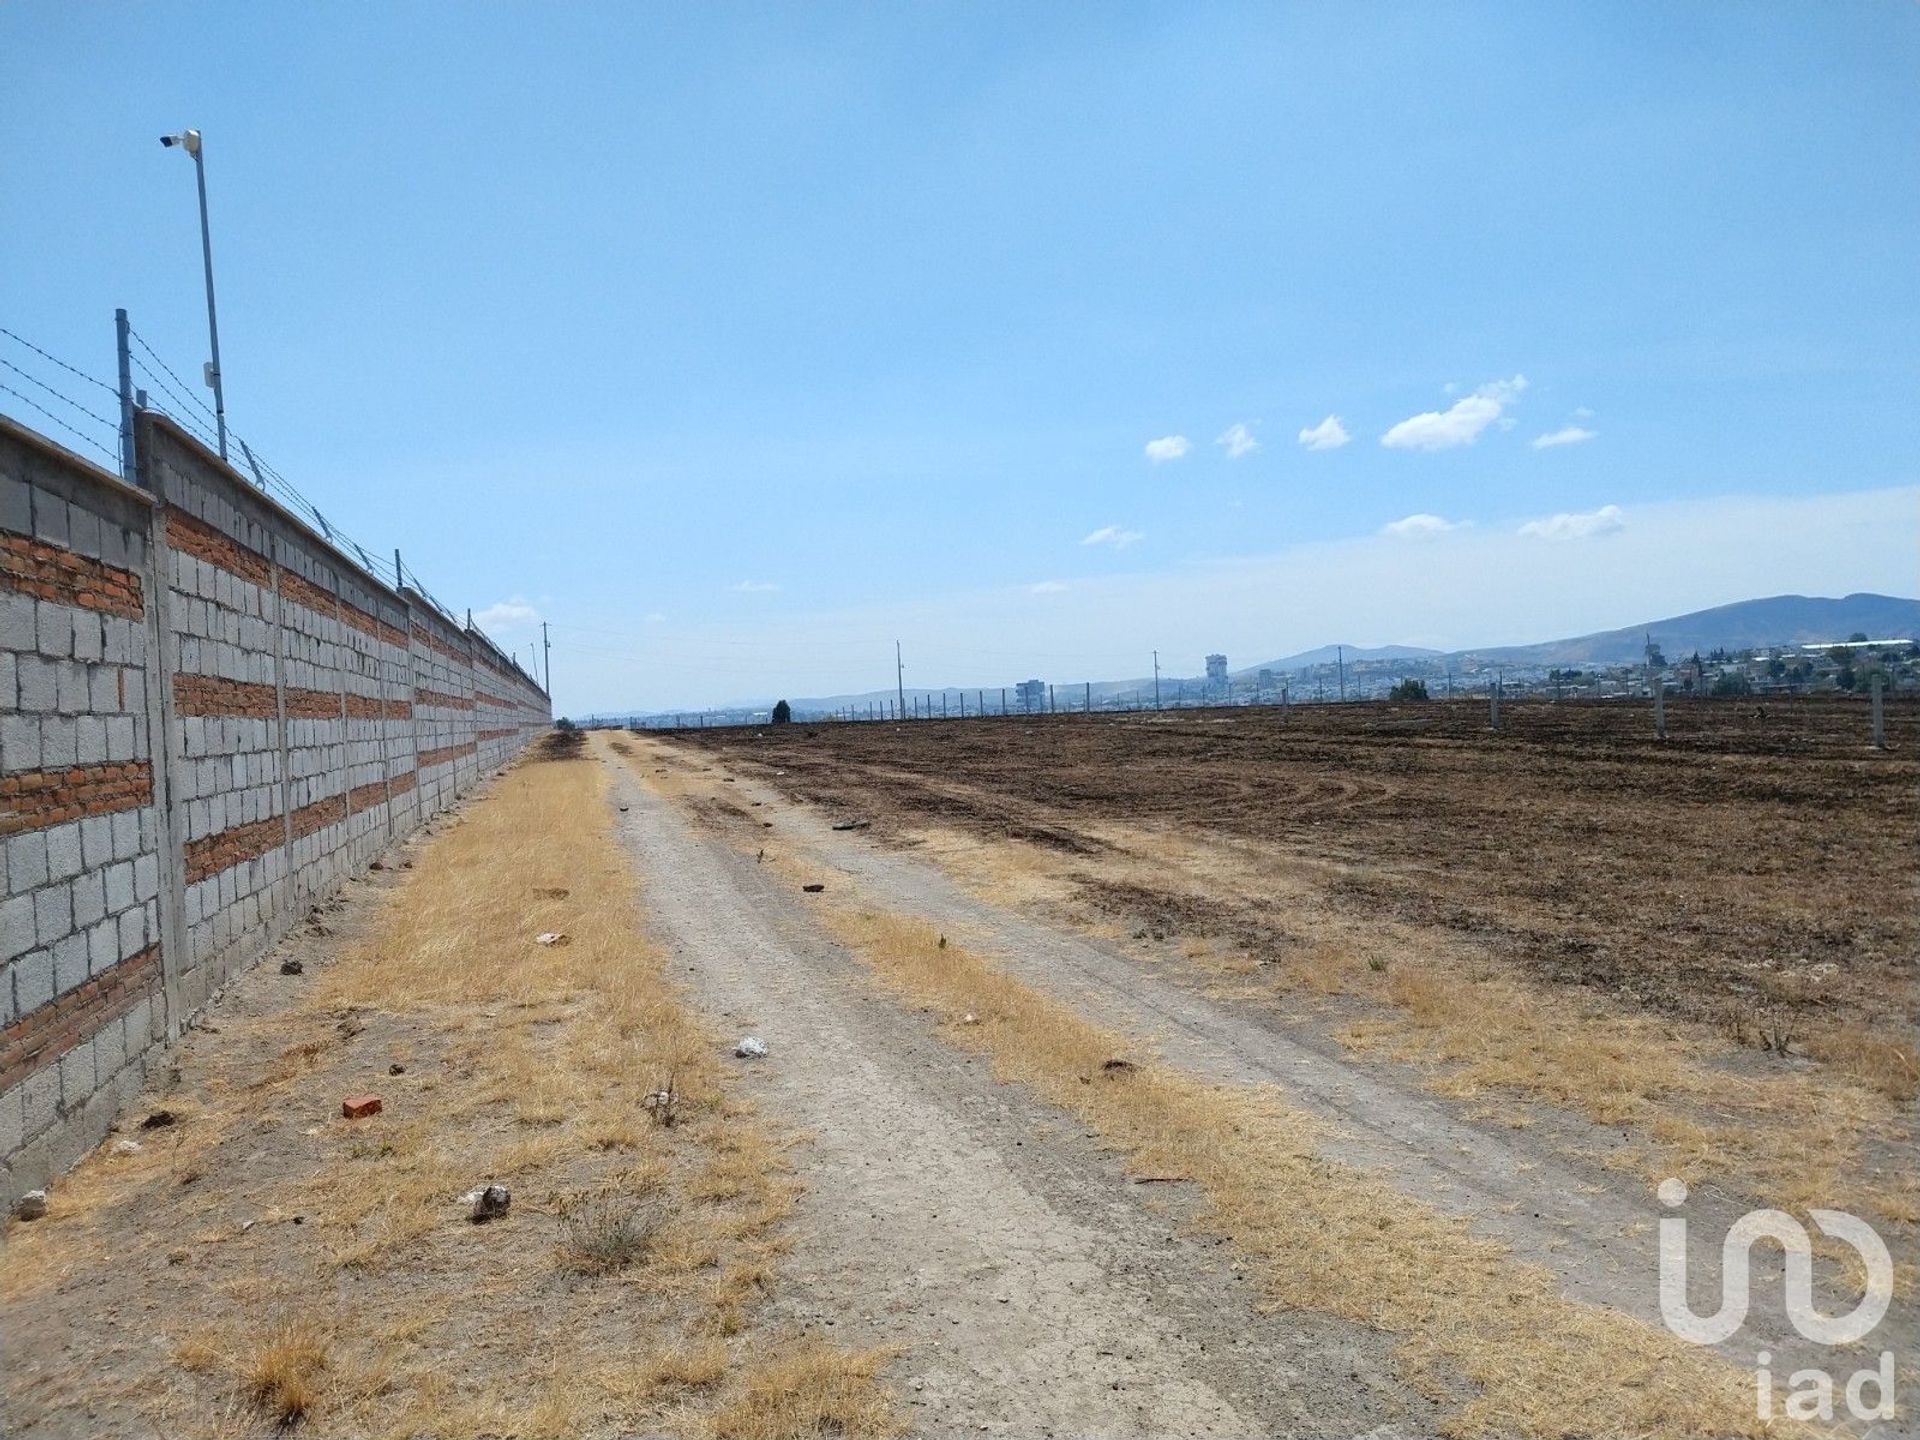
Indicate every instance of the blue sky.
{"type": "Point", "coordinates": [736, 341]}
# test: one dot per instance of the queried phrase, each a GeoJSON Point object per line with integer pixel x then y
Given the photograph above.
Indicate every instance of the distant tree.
{"type": "Point", "coordinates": [1776, 667]}
{"type": "Point", "coordinates": [1731, 682]}
{"type": "Point", "coordinates": [563, 723]}
{"type": "Point", "coordinates": [1844, 678]}
{"type": "Point", "coordinates": [1408, 689]}
{"type": "Point", "coordinates": [1858, 637]}
{"type": "Point", "coordinates": [782, 713]}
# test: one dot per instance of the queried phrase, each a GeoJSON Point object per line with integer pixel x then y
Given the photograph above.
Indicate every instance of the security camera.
{"type": "Point", "coordinates": [187, 140]}
{"type": "Point", "coordinates": [169, 140]}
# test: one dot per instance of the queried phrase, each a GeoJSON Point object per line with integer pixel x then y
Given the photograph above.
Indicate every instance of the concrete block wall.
{"type": "Point", "coordinates": [209, 717]}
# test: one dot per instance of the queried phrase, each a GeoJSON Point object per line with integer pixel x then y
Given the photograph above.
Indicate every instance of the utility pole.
{"type": "Point", "coordinates": [1156, 679]}
{"type": "Point", "coordinates": [1340, 655]}
{"type": "Point", "coordinates": [899, 676]}
{"type": "Point", "coordinates": [547, 646]}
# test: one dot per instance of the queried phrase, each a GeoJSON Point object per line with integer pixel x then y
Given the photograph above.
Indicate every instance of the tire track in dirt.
{"type": "Point", "coordinates": [1594, 1229]}
{"type": "Point", "coordinates": [1034, 1290]}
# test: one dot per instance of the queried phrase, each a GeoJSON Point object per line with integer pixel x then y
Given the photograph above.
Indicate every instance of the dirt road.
{"type": "Point", "coordinates": [1034, 1288]}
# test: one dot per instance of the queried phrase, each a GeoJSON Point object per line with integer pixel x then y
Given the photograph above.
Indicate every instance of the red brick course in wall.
{"type": "Point", "coordinates": [211, 695]}
{"type": "Point", "coordinates": [35, 799]}
{"type": "Point", "coordinates": [363, 798]}
{"type": "Point", "coordinates": [444, 701]}
{"type": "Point", "coordinates": [303, 591]}
{"type": "Point", "coordinates": [486, 735]}
{"type": "Point", "coordinates": [403, 783]}
{"type": "Point", "coordinates": [211, 854]}
{"type": "Point", "coordinates": [430, 758]}
{"type": "Point", "coordinates": [53, 572]}
{"type": "Point", "coordinates": [433, 642]}
{"type": "Point", "coordinates": [190, 533]}
{"type": "Point", "coordinates": [319, 815]}
{"type": "Point", "coordinates": [369, 707]}
{"type": "Point", "coordinates": [42, 1036]}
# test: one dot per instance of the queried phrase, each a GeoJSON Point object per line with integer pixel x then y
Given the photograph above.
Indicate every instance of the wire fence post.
{"type": "Point", "coordinates": [1879, 714]}
{"type": "Point", "coordinates": [125, 353]}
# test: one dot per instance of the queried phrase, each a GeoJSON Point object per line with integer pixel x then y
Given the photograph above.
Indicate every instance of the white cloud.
{"type": "Point", "coordinates": [1329, 434]}
{"type": "Point", "coordinates": [1113, 535]}
{"type": "Point", "coordinates": [1578, 526]}
{"type": "Point", "coordinates": [507, 615]}
{"type": "Point", "coordinates": [1565, 435]}
{"type": "Point", "coordinates": [1047, 587]}
{"type": "Point", "coordinates": [1167, 447]}
{"type": "Point", "coordinates": [1423, 524]}
{"type": "Point", "coordinates": [1460, 423]}
{"type": "Point", "coordinates": [756, 587]}
{"type": "Point", "coordinates": [1237, 440]}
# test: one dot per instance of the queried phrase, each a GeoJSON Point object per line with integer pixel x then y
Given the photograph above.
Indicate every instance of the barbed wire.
{"type": "Point", "coordinates": [141, 341]}
{"type": "Point", "coordinates": [193, 415]}
{"type": "Point", "coordinates": [64, 425]}
{"type": "Point", "coordinates": [70, 369]}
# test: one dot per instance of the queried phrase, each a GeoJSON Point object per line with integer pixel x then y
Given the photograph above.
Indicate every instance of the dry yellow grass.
{"type": "Point", "coordinates": [808, 1388]}
{"type": "Point", "coordinates": [282, 1376]}
{"type": "Point", "coordinates": [619, 1293]}
{"type": "Point", "coordinates": [1686, 1093]}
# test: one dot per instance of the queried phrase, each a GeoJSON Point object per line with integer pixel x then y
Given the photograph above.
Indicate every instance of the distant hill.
{"type": "Point", "coordinates": [1744, 625]}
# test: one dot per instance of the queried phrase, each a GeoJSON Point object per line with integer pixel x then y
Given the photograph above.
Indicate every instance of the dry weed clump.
{"type": "Point", "coordinates": [282, 1375]}
{"type": "Point", "coordinates": [607, 1233]}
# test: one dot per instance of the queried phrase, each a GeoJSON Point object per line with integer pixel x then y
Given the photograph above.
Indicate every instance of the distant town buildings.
{"type": "Point", "coordinates": [1217, 671]}
{"type": "Point", "coordinates": [1032, 694]}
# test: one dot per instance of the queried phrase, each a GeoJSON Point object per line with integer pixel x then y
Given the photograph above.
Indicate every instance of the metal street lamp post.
{"type": "Point", "coordinates": [189, 141]}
